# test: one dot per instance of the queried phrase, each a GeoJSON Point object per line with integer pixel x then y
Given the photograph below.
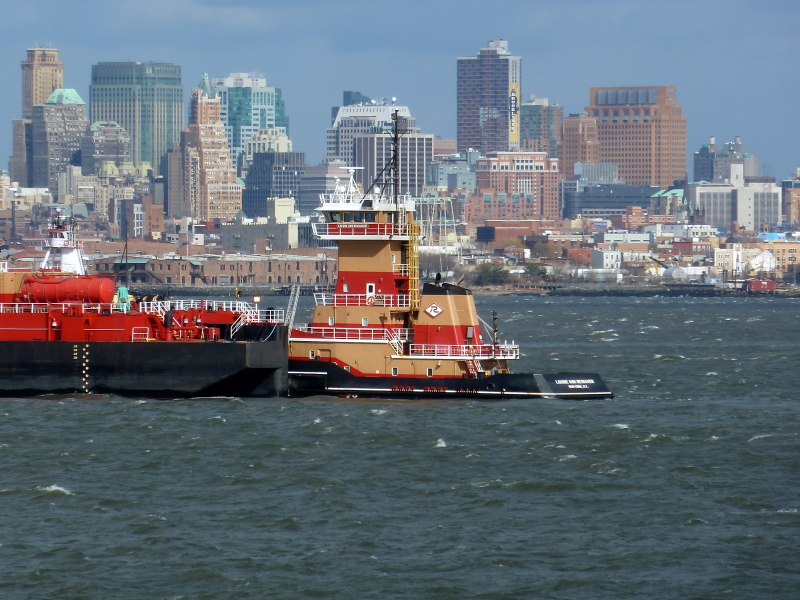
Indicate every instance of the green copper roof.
{"type": "Point", "coordinates": [64, 96]}
{"type": "Point", "coordinates": [205, 86]}
{"type": "Point", "coordinates": [98, 124]}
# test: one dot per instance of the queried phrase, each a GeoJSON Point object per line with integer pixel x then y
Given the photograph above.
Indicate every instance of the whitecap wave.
{"type": "Point", "coordinates": [54, 489]}
{"type": "Point", "coordinates": [440, 443]}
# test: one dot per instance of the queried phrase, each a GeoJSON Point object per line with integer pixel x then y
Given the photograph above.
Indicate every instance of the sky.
{"type": "Point", "coordinates": [735, 63]}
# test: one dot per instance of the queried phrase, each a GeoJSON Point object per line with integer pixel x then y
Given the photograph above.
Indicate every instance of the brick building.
{"type": "Point", "coordinates": [642, 130]}
{"type": "Point", "coordinates": [532, 174]}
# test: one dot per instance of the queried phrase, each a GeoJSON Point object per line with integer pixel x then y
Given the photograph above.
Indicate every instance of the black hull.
{"type": "Point", "coordinates": [146, 369]}
{"type": "Point", "coordinates": [317, 377]}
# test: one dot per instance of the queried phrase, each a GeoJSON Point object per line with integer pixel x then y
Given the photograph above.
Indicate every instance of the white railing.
{"type": "Point", "coordinates": [507, 351]}
{"type": "Point", "coordinates": [140, 334]}
{"type": "Point", "coordinates": [43, 307]}
{"type": "Point", "coordinates": [160, 308]}
{"type": "Point", "coordinates": [360, 229]}
{"type": "Point", "coordinates": [401, 270]}
{"type": "Point", "coordinates": [361, 334]}
{"type": "Point", "coordinates": [399, 300]}
{"type": "Point", "coordinates": [253, 314]}
{"type": "Point", "coordinates": [237, 324]}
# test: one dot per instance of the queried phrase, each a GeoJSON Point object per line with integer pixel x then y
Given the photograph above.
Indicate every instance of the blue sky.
{"type": "Point", "coordinates": [736, 63]}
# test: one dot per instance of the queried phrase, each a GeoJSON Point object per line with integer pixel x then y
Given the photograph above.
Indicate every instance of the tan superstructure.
{"type": "Point", "coordinates": [376, 322]}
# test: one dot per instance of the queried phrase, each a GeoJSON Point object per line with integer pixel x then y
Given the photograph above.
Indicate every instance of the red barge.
{"type": "Point", "coordinates": [63, 331]}
{"type": "Point", "coordinates": [379, 335]}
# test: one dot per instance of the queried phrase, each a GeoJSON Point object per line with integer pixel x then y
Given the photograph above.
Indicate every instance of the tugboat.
{"type": "Point", "coordinates": [379, 335]}
{"type": "Point", "coordinates": [63, 331]}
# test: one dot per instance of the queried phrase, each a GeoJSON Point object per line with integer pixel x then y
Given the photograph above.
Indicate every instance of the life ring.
{"type": "Point", "coordinates": [370, 300]}
{"type": "Point", "coordinates": [472, 350]}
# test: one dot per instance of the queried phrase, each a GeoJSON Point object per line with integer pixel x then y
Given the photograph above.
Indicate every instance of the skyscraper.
{"type": "Point", "coordinates": [541, 126]}
{"type": "Point", "coordinates": [202, 180]}
{"type": "Point", "coordinates": [272, 175]}
{"type": "Point", "coordinates": [146, 99]}
{"type": "Point", "coordinates": [579, 143]}
{"type": "Point", "coordinates": [372, 152]}
{"type": "Point", "coordinates": [42, 73]}
{"type": "Point", "coordinates": [351, 120]}
{"type": "Point", "coordinates": [643, 131]}
{"type": "Point", "coordinates": [247, 104]}
{"type": "Point", "coordinates": [57, 128]}
{"type": "Point", "coordinates": [488, 96]}
{"type": "Point", "coordinates": [104, 142]}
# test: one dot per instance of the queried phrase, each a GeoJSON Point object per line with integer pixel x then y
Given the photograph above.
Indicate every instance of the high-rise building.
{"type": "Point", "coordinates": [248, 105]}
{"type": "Point", "coordinates": [712, 163]}
{"type": "Point", "coordinates": [42, 73]}
{"type": "Point", "coordinates": [57, 128]}
{"type": "Point", "coordinates": [271, 175]}
{"type": "Point", "coordinates": [488, 96]}
{"type": "Point", "coordinates": [202, 179]}
{"type": "Point", "coordinates": [540, 126]}
{"type": "Point", "coordinates": [273, 139]}
{"type": "Point", "coordinates": [642, 130]}
{"type": "Point", "coordinates": [579, 143]}
{"type": "Point", "coordinates": [104, 142]}
{"type": "Point", "coordinates": [533, 174]}
{"type": "Point", "coordinates": [19, 163]}
{"type": "Point", "coordinates": [321, 179]}
{"type": "Point", "coordinates": [350, 121]}
{"type": "Point", "coordinates": [372, 152]}
{"type": "Point", "coordinates": [146, 99]}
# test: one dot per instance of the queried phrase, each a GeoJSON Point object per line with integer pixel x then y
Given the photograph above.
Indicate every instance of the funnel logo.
{"type": "Point", "coordinates": [434, 310]}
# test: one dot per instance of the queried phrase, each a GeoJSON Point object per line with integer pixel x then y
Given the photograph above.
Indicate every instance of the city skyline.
{"type": "Point", "coordinates": [735, 65]}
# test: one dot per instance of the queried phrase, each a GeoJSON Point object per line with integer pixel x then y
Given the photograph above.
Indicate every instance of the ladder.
{"type": "Point", "coordinates": [413, 267]}
{"type": "Point", "coordinates": [395, 341]}
{"type": "Point", "coordinates": [472, 367]}
{"type": "Point", "coordinates": [291, 309]}
{"type": "Point", "coordinates": [237, 325]}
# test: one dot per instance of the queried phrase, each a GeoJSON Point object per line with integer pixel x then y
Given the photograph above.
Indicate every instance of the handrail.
{"type": "Point", "coordinates": [254, 315]}
{"type": "Point", "coordinates": [392, 300]}
{"type": "Point", "coordinates": [140, 334]}
{"type": "Point", "coordinates": [360, 229]}
{"type": "Point", "coordinates": [159, 308]}
{"type": "Point", "coordinates": [368, 334]}
{"type": "Point", "coordinates": [507, 351]}
{"type": "Point", "coordinates": [43, 307]}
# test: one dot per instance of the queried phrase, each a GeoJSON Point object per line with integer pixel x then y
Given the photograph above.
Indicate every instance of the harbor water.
{"type": "Point", "coordinates": [684, 486]}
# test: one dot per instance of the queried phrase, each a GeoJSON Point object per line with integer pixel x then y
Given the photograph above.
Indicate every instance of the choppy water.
{"type": "Point", "coordinates": [684, 486]}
